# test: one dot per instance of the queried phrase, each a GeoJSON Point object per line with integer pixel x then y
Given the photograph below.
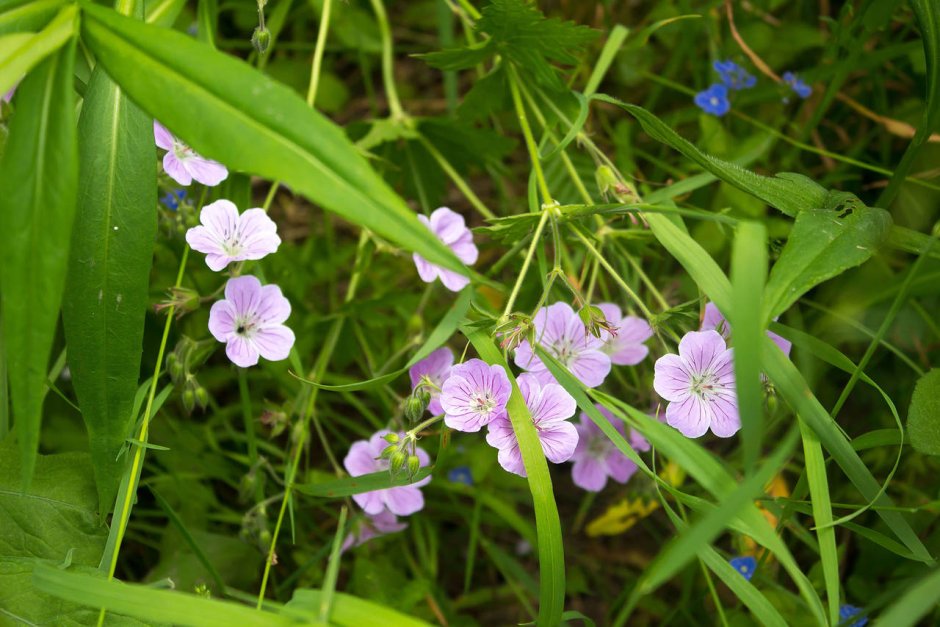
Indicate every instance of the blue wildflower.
{"type": "Point", "coordinates": [461, 474]}
{"type": "Point", "coordinates": [173, 199]}
{"type": "Point", "coordinates": [714, 100]}
{"type": "Point", "coordinates": [746, 565]}
{"type": "Point", "coordinates": [847, 611]}
{"type": "Point", "coordinates": [797, 84]}
{"type": "Point", "coordinates": [734, 76]}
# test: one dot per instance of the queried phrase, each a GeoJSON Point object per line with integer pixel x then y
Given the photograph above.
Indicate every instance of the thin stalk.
{"type": "Point", "coordinates": [613, 274]}
{"type": "Point", "coordinates": [309, 413]}
{"type": "Point", "coordinates": [456, 179]}
{"type": "Point", "coordinates": [529, 138]}
{"type": "Point", "coordinates": [388, 76]}
{"type": "Point", "coordinates": [525, 265]}
{"type": "Point", "coordinates": [136, 465]}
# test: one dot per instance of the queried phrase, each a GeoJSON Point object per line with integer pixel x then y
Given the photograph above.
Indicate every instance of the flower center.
{"type": "Point", "coordinates": [714, 101]}
{"type": "Point", "coordinates": [563, 351]}
{"type": "Point", "coordinates": [246, 326]}
{"type": "Point", "coordinates": [482, 402]}
{"type": "Point", "coordinates": [703, 384]}
{"type": "Point", "coordinates": [599, 447]}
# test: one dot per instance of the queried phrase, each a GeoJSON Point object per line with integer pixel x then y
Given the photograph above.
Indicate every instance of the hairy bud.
{"type": "Point", "coordinates": [261, 39]}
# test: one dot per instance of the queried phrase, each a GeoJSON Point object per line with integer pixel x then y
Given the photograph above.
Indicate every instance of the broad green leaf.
{"type": "Point", "coordinates": [230, 112]}
{"type": "Point", "coordinates": [17, 16]}
{"type": "Point", "coordinates": [548, 526]}
{"type": "Point", "coordinates": [748, 274]}
{"type": "Point", "coordinates": [793, 388]}
{"type": "Point", "coordinates": [441, 333]}
{"type": "Point", "coordinates": [150, 604]}
{"type": "Point", "coordinates": [38, 175]}
{"type": "Point", "coordinates": [788, 192]}
{"type": "Point", "coordinates": [23, 55]}
{"type": "Point", "coordinates": [348, 486]}
{"type": "Point", "coordinates": [923, 418]}
{"type": "Point", "coordinates": [53, 523]}
{"type": "Point", "coordinates": [107, 291]}
{"type": "Point", "coordinates": [347, 610]}
{"type": "Point", "coordinates": [927, 13]}
{"type": "Point", "coordinates": [822, 244]}
{"type": "Point", "coordinates": [913, 605]}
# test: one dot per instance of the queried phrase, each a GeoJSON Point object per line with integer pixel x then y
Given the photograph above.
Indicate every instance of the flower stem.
{"type": "Point", "coordinates": [525, 265]}
{"type": "Point", "coordinates": [411, 433]}
{"type": "Point", "coordinates": [137, 463]}
{"type": "Point", "coordinates": [456, 178]}
{"type": "Point", "coordinates": [318, 53]}
{"type": "Point", "coordinates": [309, 413]}
{"type": "Point", "coordinates": [613, 274]}
{"type": "Point", "coordinates": [388, 77]}
{"type": "Point", "coordinates": [527, 133]}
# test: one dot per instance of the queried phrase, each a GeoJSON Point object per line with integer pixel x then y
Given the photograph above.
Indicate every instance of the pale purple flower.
{"type": "Point", "coordinates": [626, 348]}
{"type": "Point", "coordinates": [450, 228]}
{"type": "Point", "coordinates": [370, 527]}
{"type": "Point", "coordinates": [474, 395]}
{"type": "Point", "coordinates": [250, 320]}
{"type": "Point", "coordinates": [183, 164]}
{"type": "Point", "coordinates": [596, 458]}
{"type": "Point", "coordinates": [224, 236]}
{"type": "Point", "coordinates": [562, 334]}
{"type": "Point", "coordinates": [714, 320]}
{"type": "Point", "coordinates": [699, 385]}
{"type": "Point", "coordinates": [364, 457]}
{"type": "Point", "coordinates": [436, 367]}
{"type": "Point", "coordinates": [550, 406]}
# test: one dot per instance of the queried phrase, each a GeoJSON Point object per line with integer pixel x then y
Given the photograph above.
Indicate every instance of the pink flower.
{"type": "Point", "coordinates": [626, 348]}
{"type": "Point", "coordinates": [474, 395]}
{"type": "Point", "coordinates": [560, 332]}
{"type": "Point", "coordinates": [451, 229]}
{"type": "Point", "coordinates": [436, 367]}
{"type": "Point", "coordinates": [699, 385]}
{"type": "Point", "coordinates": [183, 164]}
{"type": "Point", "coordinates": [550, 406]}
{"type": "Point", "coordinates": [364, 457]}
{"type": "Point", "coordinates": [714, 320]}
{"type": "Point", "coordinates": [381, 524]}
{"type": "Point", "coordinates": [596, 457]}
{"type": "Point", "coordinates": [250, 322]}
{"type": "Point", "coordinates": [226, 236]}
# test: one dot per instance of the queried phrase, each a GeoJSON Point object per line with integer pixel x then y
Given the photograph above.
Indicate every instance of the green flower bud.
{"type": "Point", "coordinates": [202, 397]}
{"type": "Point", "coordinates": [261, 39]}
{"type": "Point", "coordinates": [397, 461]}
{"type": "Point", "coordinates": [391, 438]}
{"type": "Point", "coordinates": [189, 401]}
{"type": "Point", "coordinates": [414, 464]}
{"type": "Point", "coordinates": [415, 406]}
{"type": "Point", "coordinates": [388, 451]}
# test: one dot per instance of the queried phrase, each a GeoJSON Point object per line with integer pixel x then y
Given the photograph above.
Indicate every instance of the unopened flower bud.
{"type": "Point", "coordinates": [202, 397]}
{"type": "Point", "coordinates": [189, 401]}
{"type": "Point", "coordinates": [414, 407]}
{"type": "Point", "coordinates": [397, 461]}
{"type": "Point", "coordinates": [261, 39]}
{"type": "Point", "coordinates": [595, 321]}
{"type": "Point", "coordinates": [388, 451]}
{"type": "Point", "coordinates": [174, 367]}
{"type": "Point", "coordinates": [391, 438]}
{"type": "Point", "coordinates": [414, 464]}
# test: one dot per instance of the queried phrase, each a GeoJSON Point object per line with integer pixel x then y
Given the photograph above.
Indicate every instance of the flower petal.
{"type": "Point", "coordinates": [426, 270]}
{"type": "Point", "coordinates": [559, 439]}
{"type": "Point", "coordinates": [175, 170]}
{"type": "Point", "coordinates": [244, 293]}
{"type": "Point", "coordinates": [162, 136]}
{"type": "Point", "coordinates": [222, 320]}
{"type": "Point", "coordinates": [699, 349]}
{"type": "Point", "coordinates": [403, 501]}
{"type": "Point", "coordinates": [448, 225]}
{"type": "Point", "coordinates": [452, 280]}
{"type": "Point", "coordinates": [360, 459]}
{"type": "Point", "coordinates": [274, 343]}
{"type": "Point", "coordinates": [206, 171]}
{"type": "Point", "coordinates": [221, 219]}
{"type": "Point", "coordinates": [589, 474]}
{"type": "Point", "coordinates": [672, 379]}
{"type": "Point", "coordinates": [691, 416]}
{"type": "Point", "coordinates": [590, 367]}
{"type": "Point", "coordinates": [551, 404]}
{"type": "Point", "coordinates": [241, 352]}
{"type": "Point", "coordinates": [726, 421]}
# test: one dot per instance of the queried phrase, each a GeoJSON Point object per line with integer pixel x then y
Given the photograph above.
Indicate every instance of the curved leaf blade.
{"type": "Point", "coordinates": [230, 112]}
{"type": "Point", "coordinates": [38, 177]}
{"type": "Point", "coordinates": [107, 291]}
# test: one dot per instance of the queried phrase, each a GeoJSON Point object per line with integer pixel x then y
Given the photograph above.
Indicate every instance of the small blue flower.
{"type": "Point", "coordinates": [173, 199]}
{"type": "Point", "coordinates": [746, 565]}
{"type": "Point", "coordinates": [460, 474]}
{"type": "Point", "coordinates": [733, 75]}
{"type": "Point", "coordinates": [714, 100]}
{"type": "Point", "coordinates": [848, 611]}
{"type": "Point", "coordinates": [796, 83]}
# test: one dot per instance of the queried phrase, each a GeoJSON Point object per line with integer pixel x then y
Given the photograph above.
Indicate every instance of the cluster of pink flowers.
{"type": "Point", "coordinates": [250, 319]}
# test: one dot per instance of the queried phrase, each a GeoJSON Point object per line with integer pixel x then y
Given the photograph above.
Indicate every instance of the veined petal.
{"type": "Point", "coordinates": [672, 380]}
